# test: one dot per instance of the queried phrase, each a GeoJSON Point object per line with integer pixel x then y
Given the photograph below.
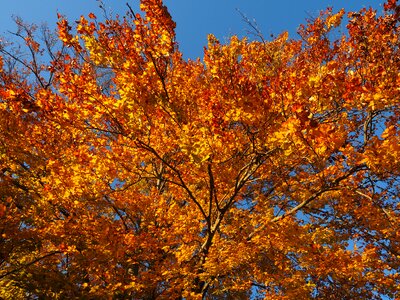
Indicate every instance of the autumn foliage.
{"type": "Point", "coordinates": [265, 169]}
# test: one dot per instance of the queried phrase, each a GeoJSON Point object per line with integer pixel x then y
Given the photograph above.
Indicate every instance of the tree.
{"type": "Point", "coordinates": [267, 169]}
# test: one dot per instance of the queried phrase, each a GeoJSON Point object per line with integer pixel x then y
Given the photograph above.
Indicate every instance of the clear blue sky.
{"type": "Point", "coordinates": [194, 18]}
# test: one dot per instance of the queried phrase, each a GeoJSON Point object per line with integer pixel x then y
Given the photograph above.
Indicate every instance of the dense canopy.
{"type": "Point", "coordinates": [268, 168]}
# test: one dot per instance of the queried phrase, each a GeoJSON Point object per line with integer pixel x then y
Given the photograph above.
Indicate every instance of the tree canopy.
{"type": "Point", "coordinates": [267, 169]}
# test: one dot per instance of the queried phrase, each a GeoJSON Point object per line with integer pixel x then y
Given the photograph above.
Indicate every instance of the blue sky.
{"type": "Point", "coordinates": [195, 19]}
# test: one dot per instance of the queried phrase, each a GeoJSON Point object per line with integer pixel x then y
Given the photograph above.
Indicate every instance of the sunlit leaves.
{"type": "Point", "coordinates": [268, 167]}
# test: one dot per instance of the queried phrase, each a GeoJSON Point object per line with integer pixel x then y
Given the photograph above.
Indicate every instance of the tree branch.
{"type": "Point", "coordinates": [29, 264]}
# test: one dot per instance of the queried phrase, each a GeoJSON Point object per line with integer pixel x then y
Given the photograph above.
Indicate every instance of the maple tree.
{"type": "Point", "coordinates": [267, 169]}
